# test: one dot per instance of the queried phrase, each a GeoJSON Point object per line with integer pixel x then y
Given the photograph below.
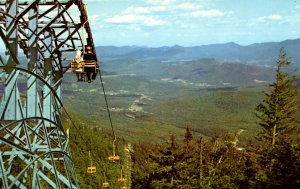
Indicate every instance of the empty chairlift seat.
{"type": "Point", "coordinates": [121, 179]}
{"type": "Point", "coordinates": [91, 169]}
{"type": "Point", "coordinates": [114, 157]}
{"type": "Point", "coordinates": [105, 185]}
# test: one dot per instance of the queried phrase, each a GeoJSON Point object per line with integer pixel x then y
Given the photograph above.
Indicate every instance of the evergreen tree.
{"type": "Point", "coordinates": [277, 118]}
{"type": "Point", "coordinates": [143, 166]}
{"type": "Point", "coordinates": [168, 158]}
{"type": "Point", "coordinates": [188, 137]}
{"type": "Point", "coordinates": [220, 165]}
{"type": "Point", "coordinates": [188, 176]}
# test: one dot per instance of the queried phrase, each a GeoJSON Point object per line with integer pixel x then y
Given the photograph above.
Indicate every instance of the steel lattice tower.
{"type": "Point", "coordinates": [41, 37]}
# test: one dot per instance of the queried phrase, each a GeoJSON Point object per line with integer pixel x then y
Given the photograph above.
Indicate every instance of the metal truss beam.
{"type": "Point", "coordinates": [34, 147]}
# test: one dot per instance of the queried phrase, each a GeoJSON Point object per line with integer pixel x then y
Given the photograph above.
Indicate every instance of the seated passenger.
{"type": "Point", "coordinates": [78, 57]}
{"type": "Point", "coordinates": [89, 56]}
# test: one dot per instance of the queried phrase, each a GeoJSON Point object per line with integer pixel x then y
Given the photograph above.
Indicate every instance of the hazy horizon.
{"type": "Point", "coordinates": [242, 45]}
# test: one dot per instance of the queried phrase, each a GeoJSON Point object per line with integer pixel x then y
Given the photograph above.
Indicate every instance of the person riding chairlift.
{"type": "Point", "coordinates": [78, 59]}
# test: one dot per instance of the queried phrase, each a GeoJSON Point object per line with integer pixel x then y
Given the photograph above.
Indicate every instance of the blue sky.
{"type": "Point", "coordinates": [193, 22]}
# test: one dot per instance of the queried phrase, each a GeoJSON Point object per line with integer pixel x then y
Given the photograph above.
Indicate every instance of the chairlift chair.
{"type": "Point", "coordinates": [114, 157]}
{"type": "Point", "coordinates": [91, 169]}
{"type": "Point", "coordinates": [105, 184]}
{"type": "Point", "coordinates": [85, 67]}
{"type": "Point", "coordinates": [121, 179]}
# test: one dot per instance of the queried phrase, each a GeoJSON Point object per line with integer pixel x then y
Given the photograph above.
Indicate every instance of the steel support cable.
{"type": "Point", "coordinates": [109, 115]}
{"type": "Point", "coordinates": [106, 103]}
{"type": "Point", "coordinates": [84, 13]}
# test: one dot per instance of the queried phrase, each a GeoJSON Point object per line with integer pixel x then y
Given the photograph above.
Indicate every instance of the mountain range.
{"type": "Point", "coordinates": [263, 54]}
{"type": "Point", "coordinates": [226, 64]}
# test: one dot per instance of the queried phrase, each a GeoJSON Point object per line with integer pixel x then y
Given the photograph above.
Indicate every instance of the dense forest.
{"type": "Point", "coordinates": [271, 160]}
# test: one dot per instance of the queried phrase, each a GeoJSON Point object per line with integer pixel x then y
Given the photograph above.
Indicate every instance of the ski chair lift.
{"type": "Point", "coordinates": [121, 179]}
{"type": "Point", "coordinates": [105, 184]}
{"type": "Point", "coordinates": [85, 67]}
{"type": "Point", "coordinates": [114, 157]}
{"type": "Point", "coordinates": [91, 169]}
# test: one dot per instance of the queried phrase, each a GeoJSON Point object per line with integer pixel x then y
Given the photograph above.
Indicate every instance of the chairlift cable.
{"type": "Point", "coordinates": [107, 108]}
{"type": "Point", "coordinates": [115, 147]}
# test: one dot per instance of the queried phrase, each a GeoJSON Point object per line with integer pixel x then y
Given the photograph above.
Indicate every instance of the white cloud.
{"type": "Point", "coordinates": [161, 1]}
{"type": "Point", "coordinates": [150, 21]}
{"type": "Point", "coordinates": [297, 6]}
{"type": "Point", "coordinates": [293, 19]}
{"type": "Point", "coordinates": [135, 19]}
{"type": "Point", "coordinates": [124, 19]}
{"type": "Point", "coordinates": [93, 17]}
{"type": "Point", "coordinates": [137, 10]}
{"type": "Point", "coordinates": [158, 8]}
{"type": "Point", "coordinates": [264, 19]}
{"type": "Point", "coordinates": [144, 10]}
{"type": "Point", "coordinates": [275, 17]}
{"type": "Point", "coordinates": [207, 13]}
{"type": "Point", "coordinates": [188, 6]}
{"type": "Point", "coordinates": [162, 8]}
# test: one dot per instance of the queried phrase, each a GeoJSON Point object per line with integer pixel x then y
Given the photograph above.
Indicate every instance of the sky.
{"type": "Point", "coordinates": [192, 22]}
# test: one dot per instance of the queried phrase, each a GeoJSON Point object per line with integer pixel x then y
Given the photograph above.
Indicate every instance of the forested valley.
{"type": "Point", "coordinates": [269, 160]}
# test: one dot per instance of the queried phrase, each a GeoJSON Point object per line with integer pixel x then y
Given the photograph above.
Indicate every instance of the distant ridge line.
{"type": "Point", "coordinates": [257, 53]}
